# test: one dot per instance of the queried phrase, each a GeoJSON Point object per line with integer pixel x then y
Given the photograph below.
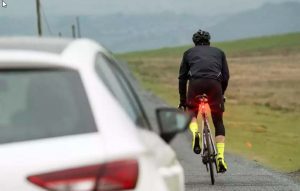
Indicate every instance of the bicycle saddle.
{"type": "Point", "coordinates": [201, 98]}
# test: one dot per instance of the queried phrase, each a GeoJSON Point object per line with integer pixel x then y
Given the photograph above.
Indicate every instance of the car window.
{"type": "Point", "coordinates": [36, 104]}
{"type": "Point", "coordinates": [119, 86]}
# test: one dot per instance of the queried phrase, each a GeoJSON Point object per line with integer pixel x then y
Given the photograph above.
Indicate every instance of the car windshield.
{"type": "Point", "coordinates": [36, 104]}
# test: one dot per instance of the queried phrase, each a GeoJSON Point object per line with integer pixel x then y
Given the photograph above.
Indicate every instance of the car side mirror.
{"type": "Point", "coordinates": [172, 121]}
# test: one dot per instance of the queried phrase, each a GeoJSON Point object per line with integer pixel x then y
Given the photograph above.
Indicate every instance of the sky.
{"type": "Point", "coordinates": [98, 7]}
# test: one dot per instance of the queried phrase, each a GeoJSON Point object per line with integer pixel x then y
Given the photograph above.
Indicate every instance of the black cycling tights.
{"type": "Point", "coordinates": [213, 89]}
{"type": "Point", "coordinates": [217, 119]}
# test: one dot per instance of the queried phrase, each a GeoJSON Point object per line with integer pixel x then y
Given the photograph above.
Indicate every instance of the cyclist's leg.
{"type": "Point", "coordinates": [216, 105]}
{"type": "Point", "coordinates": [192, 107]}
{"type": "Point", "coordinates": [195, 130]}
{"type": "Point", "coordinates": [217, 108]}
{"type": "Point", "coordinates": [217, 118]}
{"type": "Point", "coordinates": [220, 140]}
{"type": "Point", "coordinates": [194, 124]}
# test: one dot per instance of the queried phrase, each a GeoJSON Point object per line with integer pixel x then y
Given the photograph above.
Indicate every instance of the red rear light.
{"type": "Point", "coordinates": [118, 175]}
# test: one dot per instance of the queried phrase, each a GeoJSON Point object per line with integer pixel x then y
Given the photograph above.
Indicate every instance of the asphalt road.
{"type": "Point", "coordinates": [242, 174]}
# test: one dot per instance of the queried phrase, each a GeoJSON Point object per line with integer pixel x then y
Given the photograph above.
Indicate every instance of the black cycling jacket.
{"type": "Point", "coordinates": [202, 61]}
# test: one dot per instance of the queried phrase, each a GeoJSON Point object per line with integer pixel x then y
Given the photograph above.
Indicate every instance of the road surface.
{"type": "Point", "coordinates": [243, 175]}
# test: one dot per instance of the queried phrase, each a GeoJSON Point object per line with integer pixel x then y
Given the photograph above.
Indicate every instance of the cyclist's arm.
{"type": "Point", "coordinates": [225, 73]}
{"type": "Point", "coordinates": [183, 77]}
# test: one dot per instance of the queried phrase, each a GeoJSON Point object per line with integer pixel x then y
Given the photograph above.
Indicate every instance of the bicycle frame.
{"type": "Point", "coordinates": [209, 151]}
{"type": "Point", "coordinates": [205, 124]}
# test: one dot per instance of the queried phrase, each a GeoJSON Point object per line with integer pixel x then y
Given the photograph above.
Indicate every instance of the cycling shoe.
{"type": "Point", "coordinates": [196, 143]}
{"type": "Point", "coordinates": [221, 165]}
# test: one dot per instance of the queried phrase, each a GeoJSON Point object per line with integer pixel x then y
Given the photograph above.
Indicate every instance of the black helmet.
{"type": "Point", "coordinates": [201, 38]}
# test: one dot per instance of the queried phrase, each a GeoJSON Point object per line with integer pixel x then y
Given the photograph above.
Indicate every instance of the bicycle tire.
{"type": "Point", "coordinates": [210, 154]}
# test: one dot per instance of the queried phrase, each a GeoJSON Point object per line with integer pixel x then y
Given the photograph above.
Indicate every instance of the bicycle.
{"type": "Point", "coordinates": [209, 151]}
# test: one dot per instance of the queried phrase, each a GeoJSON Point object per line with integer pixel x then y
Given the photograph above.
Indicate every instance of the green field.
{"type": "Point", "coordinates": [262, 116]}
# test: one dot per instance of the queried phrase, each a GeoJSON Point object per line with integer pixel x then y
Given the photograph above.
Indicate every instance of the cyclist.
{"type": "Point", "coordinates": [205, 68]}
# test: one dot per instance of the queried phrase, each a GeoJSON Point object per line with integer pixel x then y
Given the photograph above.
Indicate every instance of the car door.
{"type": "Point", "coordinates": [165, 158]}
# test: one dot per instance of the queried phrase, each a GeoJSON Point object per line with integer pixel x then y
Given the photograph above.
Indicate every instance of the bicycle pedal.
{"type": "Point", "coordinates": [204, 161]}
{"type": "Point", "coordinates": [205, 157]}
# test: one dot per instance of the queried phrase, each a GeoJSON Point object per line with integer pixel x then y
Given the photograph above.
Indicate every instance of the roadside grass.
{"type": "Point", "coordinates": [262, 115]}
{"type": "Point", "coordinates": [264, 135]}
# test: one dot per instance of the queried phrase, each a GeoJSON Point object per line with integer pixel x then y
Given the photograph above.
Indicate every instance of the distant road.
{"type": "Point", "coordinates": [243, 175]}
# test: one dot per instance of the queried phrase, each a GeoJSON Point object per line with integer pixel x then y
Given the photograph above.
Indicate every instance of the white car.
{"type": "Point", "coordinates": [71, 120]}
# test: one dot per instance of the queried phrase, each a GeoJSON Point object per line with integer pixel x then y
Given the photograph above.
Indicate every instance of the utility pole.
{"type": "Point", "coordinates": [78, 27]}
{"type": "Point", "coordinates": [39, 21]}
{"type": "Point", "coordinates": [73, 31]}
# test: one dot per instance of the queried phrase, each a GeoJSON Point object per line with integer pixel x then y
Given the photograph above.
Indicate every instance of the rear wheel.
{"type": "Point", "coordinates": [210, 155]}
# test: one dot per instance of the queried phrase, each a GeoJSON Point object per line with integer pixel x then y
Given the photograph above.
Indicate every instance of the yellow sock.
{"type": "Point", "coordinates": [220, 148]}
{"type": "Point", "coordinates": [194, 129]}
{"type": "Point", "coordinates": [193, 126]}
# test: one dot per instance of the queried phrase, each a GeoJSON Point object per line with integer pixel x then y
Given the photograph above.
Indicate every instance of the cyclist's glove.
{"type": "Point", "coordinates": [224, 98]}
{"type": "Point", "coordinates": [182, 107]}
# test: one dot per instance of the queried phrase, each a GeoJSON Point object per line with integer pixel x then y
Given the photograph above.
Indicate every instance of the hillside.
{"type": "Point", "coordinates": [123, 32]}
{"type": "Point", "coordinates": [267, 20]}
{"type": "Point", "coordinates": [266, 45]}
{"type": "Point", "coordinates": [262, 115]}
